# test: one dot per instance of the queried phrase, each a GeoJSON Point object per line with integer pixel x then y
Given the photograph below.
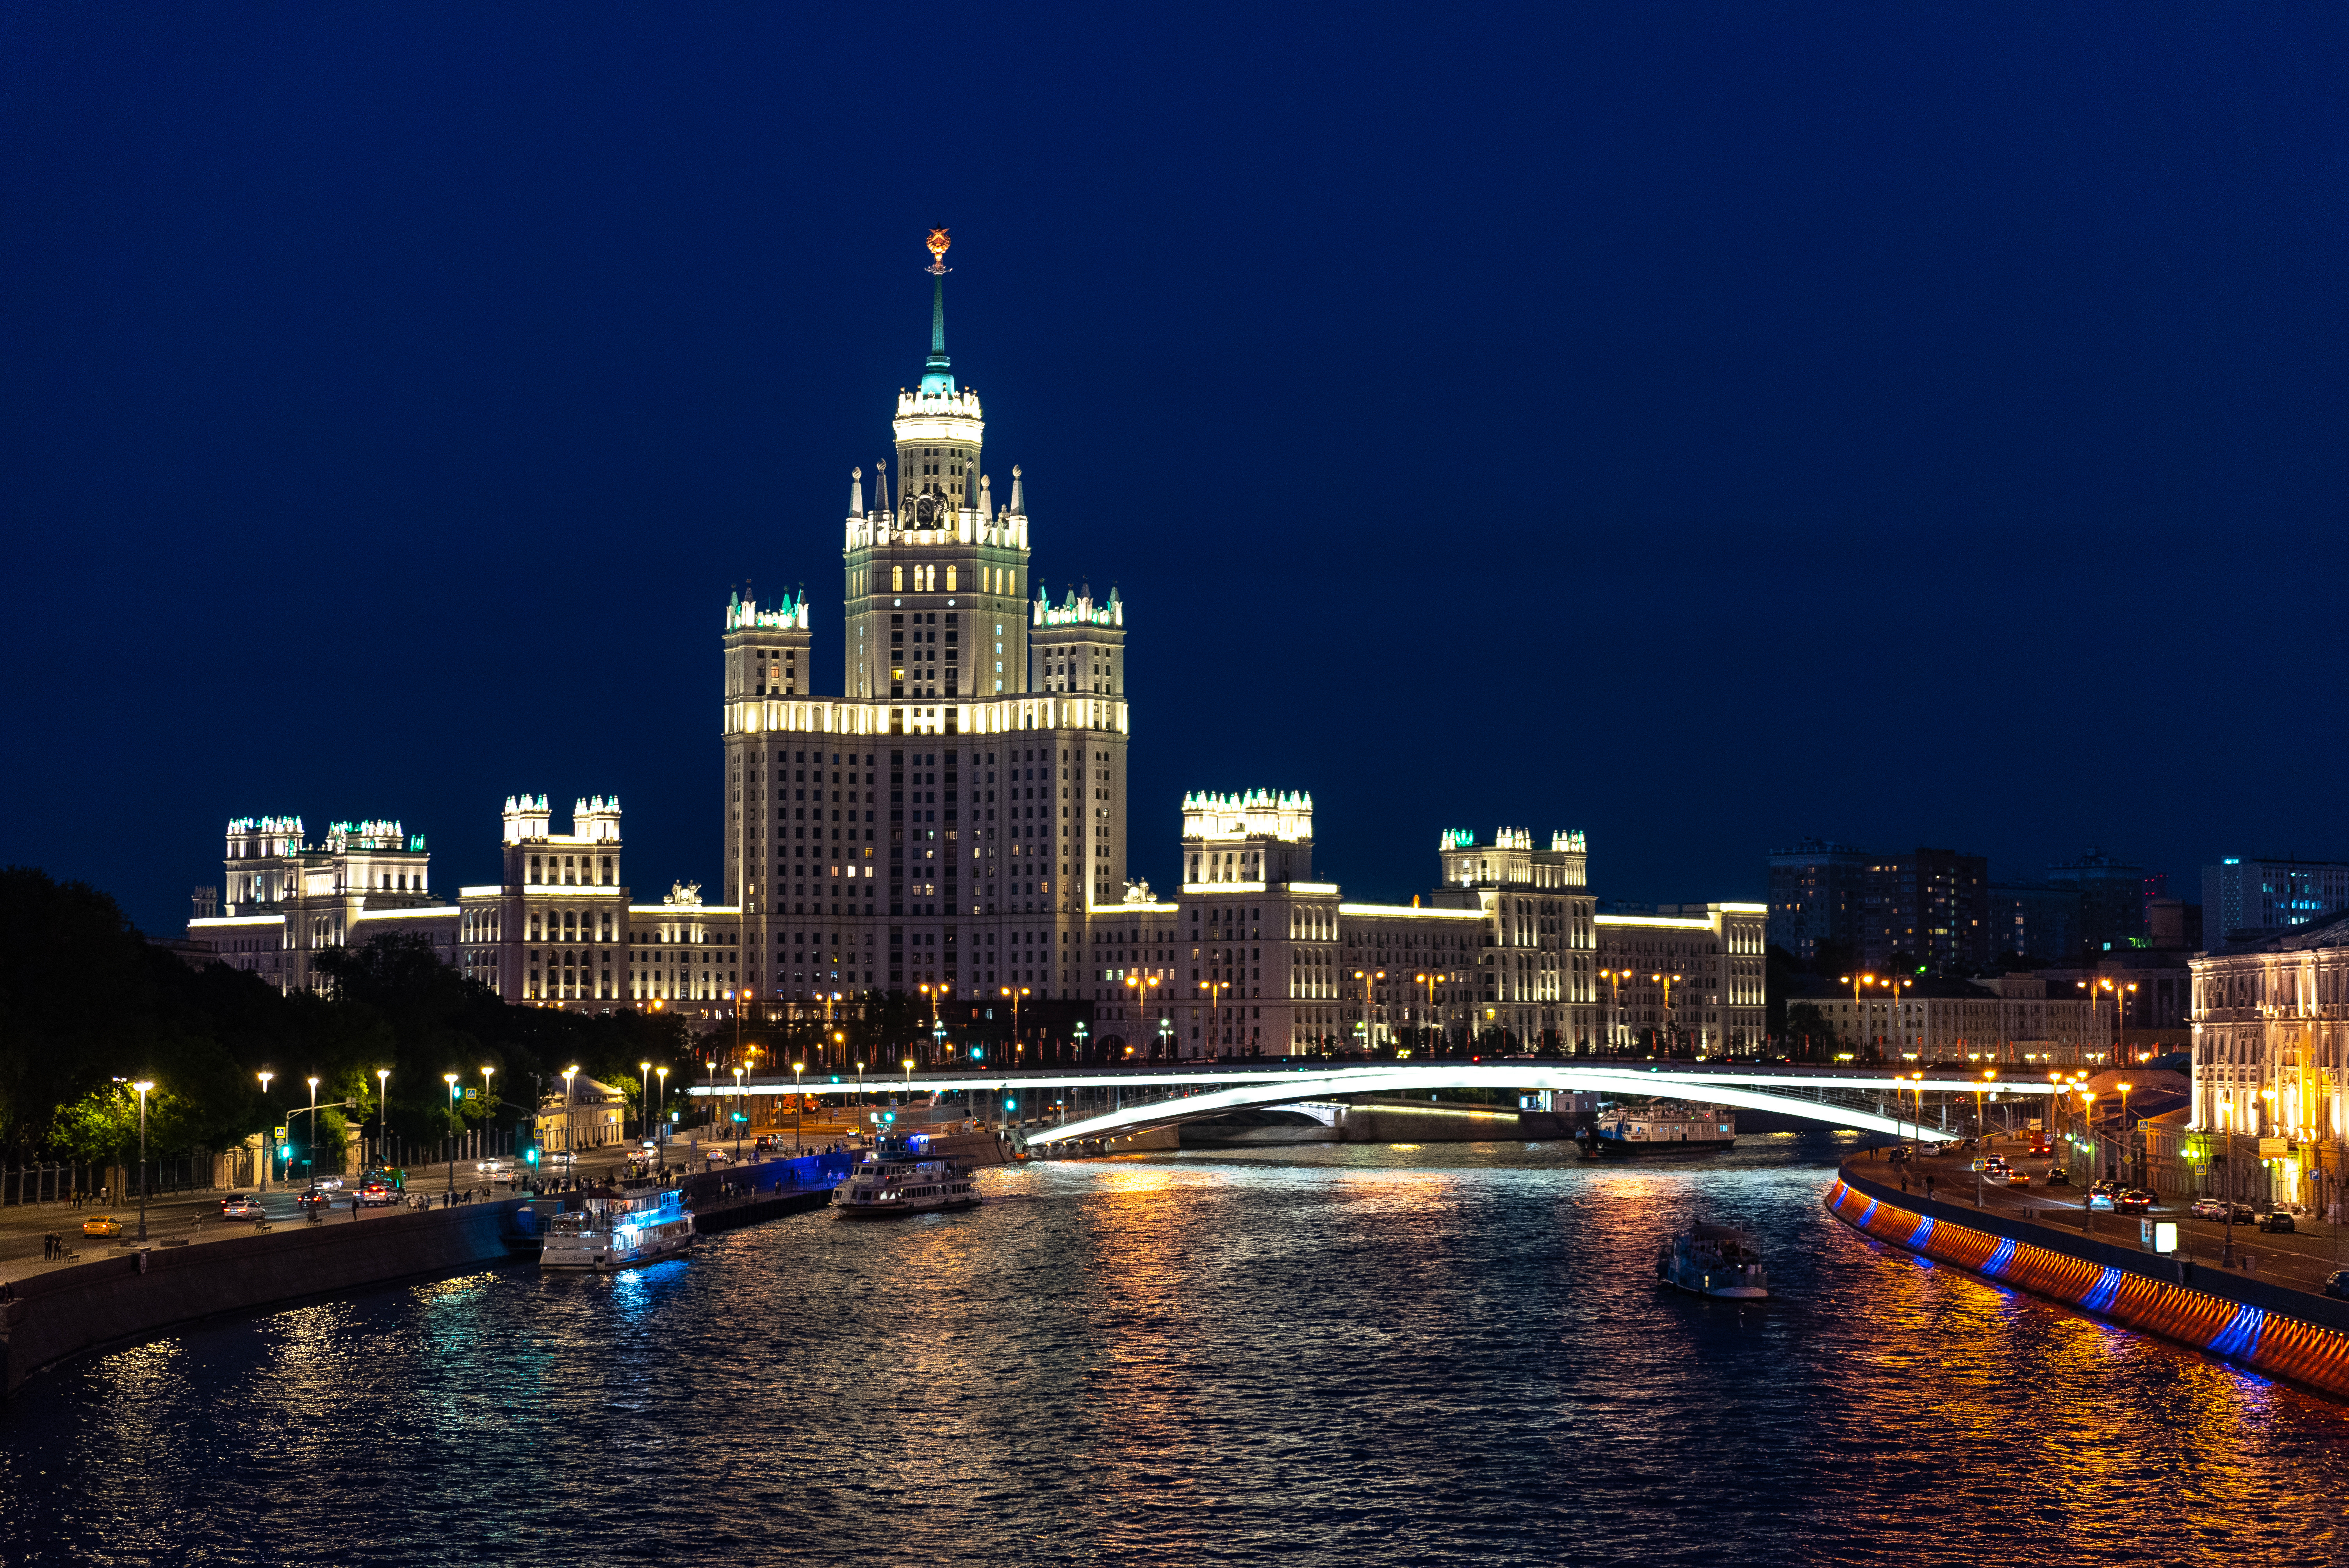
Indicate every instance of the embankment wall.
{"type": "Point", "coordinates": [111, 1300]}
{"type": "Point", "coordinates": [2273, 1330]}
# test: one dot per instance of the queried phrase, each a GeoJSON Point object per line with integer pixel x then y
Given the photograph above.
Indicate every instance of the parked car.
{"type": "Point", "coordinates": [242, 1206]}
{"type": "Point", "coordinates": [377, 1195]}
{"type": "Point", "coordinates": [2058, 1177]}
{"type": "Point", "coordinates": [2018, 1178]}
{"type": "Point", "coordinates": [2132, 1201]}
{"type": "Point", "coordinates": [2336, 1284]}
{"type": "Point", "coordinates": [2276, 1220]}
{"type": "Point", "coordinates": [101, 1225]}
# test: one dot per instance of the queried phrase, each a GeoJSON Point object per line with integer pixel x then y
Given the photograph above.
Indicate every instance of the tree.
{"type": "Point", "coordinates": [1809, 1033]}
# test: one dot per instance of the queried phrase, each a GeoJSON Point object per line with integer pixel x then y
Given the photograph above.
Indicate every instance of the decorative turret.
{"type": "Point", "coordinates": [527, 816]}
{"type": "Point", "coordinates": [1257, 836]}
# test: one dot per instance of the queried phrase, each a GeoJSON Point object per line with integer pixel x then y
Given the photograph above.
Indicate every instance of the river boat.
{"type": "Point", "coordinates": [1715, 1261]}
{"type": "Point", "coordinates": [891, 1185]}
{"type": "Point", "coordinates": [619, 1227]}
{"type": "Point", "coordinates": [1664, 1127]}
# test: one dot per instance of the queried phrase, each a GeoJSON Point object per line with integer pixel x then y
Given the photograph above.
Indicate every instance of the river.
{"type": "Point", "coordinates": [1331, 1355]}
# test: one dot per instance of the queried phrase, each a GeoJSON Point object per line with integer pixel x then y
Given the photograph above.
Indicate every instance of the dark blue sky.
{"type": "Point", "coordinates": [1704, 426]}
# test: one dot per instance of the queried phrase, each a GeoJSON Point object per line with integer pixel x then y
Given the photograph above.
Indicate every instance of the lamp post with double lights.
{"type": "Point", "coordinates": [1615, 978]}
{"type": "Point", "coordinates": [1018, 1045]}
{"type": "Point", "coordinates": [1140, 986]}
{"type": "Point", "coordinates": [1368, 977]}
{"type": "Point", "coordinates": [267, 1153]}
{"type": "Point", "coordinates": [1856, 982]}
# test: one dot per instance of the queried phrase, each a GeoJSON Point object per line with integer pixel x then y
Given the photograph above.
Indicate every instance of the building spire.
{"type": "Point", "coordinates": [937, 378]}
{"type": "Point", "coordinates": [857, 492]}
{"type": "Point", "coordinates": [880, 485]}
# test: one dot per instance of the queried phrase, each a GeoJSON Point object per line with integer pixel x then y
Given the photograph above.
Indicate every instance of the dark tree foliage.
{"type": "Point", "coordinates": [88, 1005]}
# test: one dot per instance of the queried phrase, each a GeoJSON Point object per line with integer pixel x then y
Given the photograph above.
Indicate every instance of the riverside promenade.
{"type": "Point", "coordinates": [2268, 1325]}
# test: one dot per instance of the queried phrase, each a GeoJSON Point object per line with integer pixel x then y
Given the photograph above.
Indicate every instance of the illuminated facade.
{"type": "Point", "coordinates": [289, 901]}
{"type": "Point", "coordinates": [1254, 956]}
{"type": "Point", "coordinates": [2270, 1020]}
{"type": "Point", "coordinates": [949, 820]}
{"type": "Point", "coordinates": [1713, 955]}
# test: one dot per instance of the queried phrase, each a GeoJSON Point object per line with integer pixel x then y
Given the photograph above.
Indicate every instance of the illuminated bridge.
{"type": "Point", "coordinates": [1141, 1099]}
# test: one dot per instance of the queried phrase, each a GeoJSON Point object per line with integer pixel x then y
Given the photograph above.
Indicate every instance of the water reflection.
{"type": "Point", "coordinates": [1331, 1354]}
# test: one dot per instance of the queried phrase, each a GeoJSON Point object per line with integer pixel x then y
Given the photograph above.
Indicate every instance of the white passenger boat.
{"type": "Point", "coordinates": [1713, 1260]}
{"type": "Point", "coordinates": [1662, 1127]}
{"type": "Point", "coordinates": [892, 1186]}
{"type": "Point", "coordinates": [618, 1228]}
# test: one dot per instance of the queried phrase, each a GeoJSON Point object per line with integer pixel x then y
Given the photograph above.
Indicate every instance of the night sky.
{"type": "Point", "coordinates": [1704, 426]}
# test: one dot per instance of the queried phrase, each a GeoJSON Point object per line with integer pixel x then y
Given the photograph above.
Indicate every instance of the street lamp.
{"type": "Point", "coordinates": [382, 1118]}
{"type": "Point", "coordinates": [662, 1073]}
{"type": "Point", "coordinates": [799, 1103]}
{"type": "Point", "coordinates": [739, 1115]}
{"type": "Point", "coordinates": [265, 1078]}
{"type": "Point", "coordinates": [485, 1104]}
{"type": "Point", "coordinates": [451, 1079]}
{"type": "Point", "coordinates": [643, 1101]}
{"type": "Point", "coordinates": [1615, 978]}
{"type": "Point", "coordinates": [143, 1086]}
{"type": "Point", "coordinates": [568, 1073]}
{"type": "Point", "coordinates": [310, 1159]}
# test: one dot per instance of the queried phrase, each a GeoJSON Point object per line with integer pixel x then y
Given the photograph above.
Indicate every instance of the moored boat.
{"type": "Point", "coordinates": [1716, 1261]}
{"type": "Point", "coordinates": [619, 1227]}
{"type": "Point", "coordinates": [1661, 1127]}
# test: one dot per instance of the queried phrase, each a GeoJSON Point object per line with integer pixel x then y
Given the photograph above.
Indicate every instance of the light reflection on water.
{"type": "Point", "coordinates": [1328, 1355]}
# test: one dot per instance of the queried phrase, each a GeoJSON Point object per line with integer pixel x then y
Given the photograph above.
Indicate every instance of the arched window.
{"type": "Point", "coordinates": [950, 579]}
{"type": "Point", "coordinates": [897, 579]}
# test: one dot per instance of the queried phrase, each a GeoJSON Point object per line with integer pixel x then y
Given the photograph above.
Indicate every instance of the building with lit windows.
{"type": "Point", "coordinates": [1688, 974]}
{"type": "Point", "coordinates": [2271, 1019]}
{"type": "Point", "coordinates": [2246, 893]}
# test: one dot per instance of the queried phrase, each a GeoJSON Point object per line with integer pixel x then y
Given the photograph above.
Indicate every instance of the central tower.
{"type": "Point", "coordinates": [937, 587]}
{"type": "Point", "coordinates": [947, 823]}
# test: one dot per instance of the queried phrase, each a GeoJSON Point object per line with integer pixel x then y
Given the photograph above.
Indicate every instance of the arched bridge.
{"type": "Point", "coordinates": [1161, 1098]}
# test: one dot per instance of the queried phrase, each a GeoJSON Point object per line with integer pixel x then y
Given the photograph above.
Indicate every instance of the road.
{"type": "Point", "coordinates": [2302, 1258]}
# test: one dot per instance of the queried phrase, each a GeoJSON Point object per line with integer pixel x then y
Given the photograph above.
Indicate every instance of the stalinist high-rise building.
{"type": "Point", "coordinates": [946, 818]}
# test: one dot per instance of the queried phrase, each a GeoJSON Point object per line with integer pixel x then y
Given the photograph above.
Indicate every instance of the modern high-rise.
{"type": "Point", "coordinates": [2245, 892]}
{"type": "Point", "coordinates": [1816, 891]}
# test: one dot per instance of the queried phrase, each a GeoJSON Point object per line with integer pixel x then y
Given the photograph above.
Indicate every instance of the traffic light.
{"type": "Point", "coordinates": [530, 1155]}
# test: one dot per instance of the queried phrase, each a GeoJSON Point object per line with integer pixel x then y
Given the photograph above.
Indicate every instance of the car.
{"type": "Point", "coordinates": [2133, 1201]}
{"type": "Point", "coordinates": [2099, 1202]}
{"type": "Point", "coordinates": [376, 1195]}
{"type": "Point", "coordinates": [241, 1206]}
{"type": "Point", "coordinates": [494, 1167]}
{"type": "Point", "coordinates": [327, 1184]}
{"type": "Point", "coordinates": [558, 1159]}
{"type": "Point", "coordinates": [313, 1198]}
{"type": "Point", "coordinates": [2058, 1177]}
{"type": "Point", "coordinates": [2018, 1178]}
{"type": "Point", "coordinates": [2276, 1220]}
{"type": "Point", "coordinates": [1901, 1156]}
{"type": "Point", "coordinates": [2336, 1284]}
{"type": "Point", "coordinates": [2105, 1187]}
{"type": "Point", "coordinates": [101, 1225]}
{"type": "Point", "coordinates": [2209, 1208]}
{"type": "Point", "coordinates": [1990, 1165]}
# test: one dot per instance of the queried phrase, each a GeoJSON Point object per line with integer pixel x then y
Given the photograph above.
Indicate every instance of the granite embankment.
{"type": "Point", "coordinates": [2272, 1329]}
{"type": "Point", "coordinates": [137, 1293]}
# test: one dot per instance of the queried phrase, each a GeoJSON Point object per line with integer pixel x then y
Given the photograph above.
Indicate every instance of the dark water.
{"type": "Point", "coordinates": [1340, 1356]}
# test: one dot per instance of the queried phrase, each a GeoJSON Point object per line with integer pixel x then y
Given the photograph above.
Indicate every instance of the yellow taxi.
{"type": "Point", "coordinates": [101, 1225]}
